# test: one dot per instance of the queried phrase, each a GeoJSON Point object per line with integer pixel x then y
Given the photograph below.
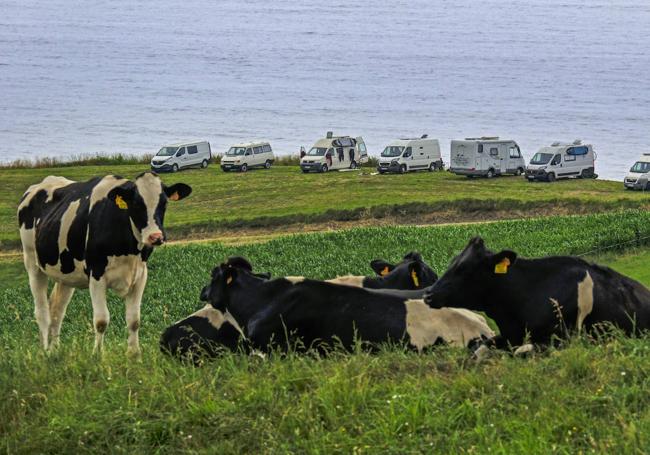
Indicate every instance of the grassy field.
{"type": "Point", "coordinates": [586, 397]}
{"type": "Point", "coordinates": [227, 202]}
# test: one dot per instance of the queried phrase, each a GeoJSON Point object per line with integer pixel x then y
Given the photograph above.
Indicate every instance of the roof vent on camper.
{"type": "Point", "coordinates": [424, 136]}
{"type": "Point", "coordinates": [577, 142]}
{"type": "Point", "coordinates": [329, 135]}
{"type": "Point", "coordinates": [555, 144]}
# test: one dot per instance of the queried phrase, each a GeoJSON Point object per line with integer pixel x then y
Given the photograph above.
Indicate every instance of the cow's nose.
{"type": "Point", "coordinates": [156, 238]}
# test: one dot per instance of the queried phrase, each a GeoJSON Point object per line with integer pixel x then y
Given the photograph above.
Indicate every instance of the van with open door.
{"type": "Point", "coordinates": [335, 153]}
{"type": "Point", "coordinates": [639, 176]}
{"type": "Point", "coordinates": [174, 157]}
{"type": "Point", "coordinates": [248, 155]}
{"type": "Point", "coordinates": [562, 161]}
{"type": "Point", "coordinates": [486, 157]}
{"type": "Point", "coordinates": [404, 155]}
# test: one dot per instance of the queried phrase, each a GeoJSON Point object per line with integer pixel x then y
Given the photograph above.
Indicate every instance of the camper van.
{"type": "Point", "coordinates": [404, 155]}
{"type": "Point", "coordinates": [639, 176]}
{"type": "Point", "coordinates": [242, 157]}
{"type": "Point", "coordinates": [174, 157]}
{"type": "Point", "coordinates": [561, 161]}
{"type": "Point", "coordinates": [333, 153]}
{"type": "Point", "coordinates": [486, 156]}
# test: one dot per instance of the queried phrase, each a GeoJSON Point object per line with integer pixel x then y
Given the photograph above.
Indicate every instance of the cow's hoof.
{"type": "Point", "coordinates": [525, 350]}
{"type": "Point", "coordinates": [134, 353]}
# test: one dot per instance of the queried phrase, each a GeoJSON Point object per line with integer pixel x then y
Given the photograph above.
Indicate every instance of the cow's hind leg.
{"type": "Point", "coordinates": [133, 300]}
{"type": "Point", "coordinates": [59, 299]}
{"type": "Point", "coordinates": [38, 286]}
{"type": "Point", "coordinates": [101, 316]}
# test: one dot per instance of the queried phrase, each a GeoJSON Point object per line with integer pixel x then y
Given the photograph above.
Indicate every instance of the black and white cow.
{"type": "Point", "coordinates": [97, 235]}
{"type": "Point", "coordinates": [527, 296]}
{"type": "Point", "coordinates": [318, 313]}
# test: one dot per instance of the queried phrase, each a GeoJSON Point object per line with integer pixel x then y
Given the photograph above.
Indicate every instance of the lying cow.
{"type": "Point", "coordinates": [540, 297]}
{"type": "Point", "coordinates": [317, 313]}
{"type": "Point", "coordinates": [97, 235]}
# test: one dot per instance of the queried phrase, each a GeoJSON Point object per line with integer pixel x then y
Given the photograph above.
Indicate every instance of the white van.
{"type": "Point", "coordinates": [242, 157]}
{"type": "Point", "coordinates": [405, 155]}
{"type": "Point", "coordinates": [639, 176]}
{"type": "Point", "coordinates": [486, 156]}
{"type": "Point", "coordinates": [174, 157]}
{"type": "Point", "coordinates": [335, 152]}
{"type": "Point", "coordinates": [561, 161]}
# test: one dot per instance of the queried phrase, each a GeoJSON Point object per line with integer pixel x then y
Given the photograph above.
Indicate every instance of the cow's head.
{"type": "Point", "coordinates": [145, 200]}
{"type": "Point", "coordinates": [471, 277]}
{"type": "Point", "coordinates": [411, 273]}
{"type": "Point", "coordinates": [234, 274]}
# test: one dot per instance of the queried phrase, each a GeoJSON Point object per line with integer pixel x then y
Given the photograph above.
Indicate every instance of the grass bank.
{"type": "Point", "coordinates": [587, 397]}
{"type": "Point", "coordinates": [227, 203]}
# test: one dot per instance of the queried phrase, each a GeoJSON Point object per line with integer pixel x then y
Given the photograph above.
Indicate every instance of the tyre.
{"type": "Point", "coordinates": [353, 165]}
{"type": "Point", "coordinates": [433, 166]}
{"type": "Point", "coordinates": [204, 164]}
{"type": "Point", "coordinates": [402, 169]}
{"type": "Point", "coordinates": [267, 164]}
{"type": "Point", "coordinates": [550, 177]}
{"type": "Point", "coordinates": [324, 168]}
{"type": "Point", "coordinates": [519, 171]}
{"type": "Point", "coordinates": [244, 167]}
{"type": "Point", "coordinates": [490, 173]}
{"type": "Point", "coordinates": [381, 172]}
{"type": "Point", "coordinates": [175, 168]}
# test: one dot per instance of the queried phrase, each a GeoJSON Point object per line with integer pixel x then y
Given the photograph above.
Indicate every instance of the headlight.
{"type": "Point", "coordinates": [394, 162]}
{"type": "Point", "coordinates": [542, 168]}
{"type": "Point", "coordinates": [237, 161]}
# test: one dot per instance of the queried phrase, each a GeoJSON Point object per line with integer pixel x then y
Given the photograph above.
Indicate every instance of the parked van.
{"type": "Point", "coordinates": [560, 161]}
{"type": "Point", "coordinates": [486, 156]}
{"type": "Point", "coordinates": [174, 157]}
{"type": "Point", "coordinates": [242, 157]}
{"type": "Point", "coordinates": [333, 153]}
{"type": "Point", "coordinates": [405, 155]}
{"type": "Point", "coordinates": [639, 176]}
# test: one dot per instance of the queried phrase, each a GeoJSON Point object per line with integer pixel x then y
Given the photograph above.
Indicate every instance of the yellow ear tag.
{"type": "Point", "coordinates": [385, 271]}
{"type": "Point", "coordinates": [502, 267]}
{"type": "Point", "coordinates": [414, 277]}
{"type": "Point", "coordinates": [174, 197]}
{"type": "Point", "coordinates": [229, 280]}
{"type": "Point", "coordinates": [121, 203]}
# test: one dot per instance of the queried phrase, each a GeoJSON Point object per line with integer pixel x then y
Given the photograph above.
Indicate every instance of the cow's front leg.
{"type": "Point", "coordinates": [133, 300]}
{"type": "Point", "coordinates": [101, 316]}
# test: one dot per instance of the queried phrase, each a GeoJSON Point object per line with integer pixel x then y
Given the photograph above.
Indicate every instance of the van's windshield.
{"type": "Point", "coordinates": [167, 151]}
{"type": "Point", "coordinates": [392, 150]}
{"type": "Point", "coordinates": [317, 151]}
{"type": "Point", "coordinates": [641, 167]}
{"type": "Point", "coordinates": [236, 151]}
{"type": "Point", "coordinates": [541, 158]}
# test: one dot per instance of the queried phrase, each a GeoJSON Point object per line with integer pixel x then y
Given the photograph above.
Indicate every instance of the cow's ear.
{"type": "Point", "coordinates": [381, 267]}
{"type": "Point", "coordinates": [502, 260]}
{"type": "Point", "coordinates": [122, 196]}
{"type": "Point", "coordinates": [178, 191]}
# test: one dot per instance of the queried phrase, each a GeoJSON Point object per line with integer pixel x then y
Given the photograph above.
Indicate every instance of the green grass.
{"type": "Point", "coordinates": [227, 202]}
{"type": "Point", "coordinates": [582, 398]}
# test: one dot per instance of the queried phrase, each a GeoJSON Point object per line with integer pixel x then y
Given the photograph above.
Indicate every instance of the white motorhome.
{"type": "Point", "coordinates": [404, 155]}
{"type": "Point", "coordinates": [486, 156]}
{"type": "Point", "coordinates": [639, 176]}
{"type": "Point", "coordinates": [561, 161]}
{"type": "Point", "coordinates": [174, 157]}
{"type": "Point", "coordinates": [247, 155]}
{"type": "Point", "coordinates": [333, 153]}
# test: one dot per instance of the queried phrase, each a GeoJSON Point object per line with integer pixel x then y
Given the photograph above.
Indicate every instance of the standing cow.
{"type": "Point", "coordinates": [97, 235]}
{"type": "Point", "coordinates": [540, 297]}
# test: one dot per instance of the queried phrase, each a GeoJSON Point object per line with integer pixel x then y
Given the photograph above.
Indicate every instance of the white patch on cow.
{"type": "Point", "coordinates": [455, 326]}
{"type": "Point", "coordinates": [66, 222]}
{"type": "Point", "coordinates": [49, 184]}
{"type": "Point", "coordinates": [295, 279]}
{"type": "Point", "coordinates": [585, 299]}
{"type": "Point", "coordinates": [150, 188]}
{"type": "Point", "coordinates": [524, 350]}
{"type": "Point", "coordinates": [101, 190]}
{"type": "Point", "coordinates": [348, 280]}
{"type": "Point", "coordinates": [123, 272]}
{"type": "Point", "coordinates": [215, 317]}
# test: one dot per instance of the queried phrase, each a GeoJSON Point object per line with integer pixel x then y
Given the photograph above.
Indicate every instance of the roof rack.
{"type": "Point", "coordinates": [577, 142]}
{"type": "Point", "coordinates": [483, 138]}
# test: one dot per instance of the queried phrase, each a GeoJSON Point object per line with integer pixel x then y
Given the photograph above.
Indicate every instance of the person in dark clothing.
{"type": "Point", "coordinates": [351, 155]}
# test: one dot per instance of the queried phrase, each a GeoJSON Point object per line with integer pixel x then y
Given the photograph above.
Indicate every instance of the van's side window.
{"type": "Point", "coordinates": [362, 149]}
{"type": "Point", "coordinates": [514, 153]}
{"type": "Point", "coordinates": [569, 157]}
{"type": "Point", "coordinates": [480, 148]}
{"type": "Point", "coordinates": [181, 151]}
{"type": "Point", "coordinates": [257, 150]}
{"type": "Point", "coordinates": [408, 152]}
{"type": "Point", "coordinates": [266, 148]}
{"type": "Point", "coordinates": [557, 159]}
{"type": "Point", "coordinates": [583, 150]}
{"type": "Point", "coordinates": [249, 152]}
{"type": "Point", "coordinates": [192, 149]}
{"type": "Point", "coordinates": [494, 151]}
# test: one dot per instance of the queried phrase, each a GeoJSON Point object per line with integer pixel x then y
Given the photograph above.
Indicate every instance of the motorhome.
{"type": "Point", "coordinates": [561, 161]}
{"type": "Point", "coordinates": [639, 176]}
{"type": "Point", "coordinates": [486, 157]}
{"type": "Point", "coordinates": [404, 155]}
{"type": "Point", "coordinates": [174, 157]}
{"type": "Point", "coordinates": [242, 157]}
{"type": "Point", "coordinates": [334, 153]}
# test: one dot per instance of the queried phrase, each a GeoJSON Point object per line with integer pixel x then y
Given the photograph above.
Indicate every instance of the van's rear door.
{"type": "Point", "coordinates": [363, 151]}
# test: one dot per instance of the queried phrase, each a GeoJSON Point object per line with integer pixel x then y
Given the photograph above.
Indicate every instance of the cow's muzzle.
{"type": "Point", "coordinates": [156, 239]}
{"type": "Point", "coordinates": [431, 300]}
{"type": "Point", "coordinates": [205, 294]}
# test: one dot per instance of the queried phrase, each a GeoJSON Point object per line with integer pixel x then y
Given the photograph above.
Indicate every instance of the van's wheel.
{"type": "Point", "coordinates": [519, 171]}
{"type": "Point", "coordinates": [324, 168]}
{"type": "Point", "coordinates": [433, 166]}
{"type": "Point", "coordinates": [244, 167]}
{"type": "Point", "coordinates": [267, 164]}
{"type": "Point", "coordinates": [175, 168]}
{"type": "Point", "coordinates": [402, 169]}
{"type": "Point", "coordinates": [353, 165]}
{"type": "Point", "coordinates": [490, 173]}
{"type": "Point", "coordinates": [550, 177]}
{"type": "Point", "coordinates": [204, 164]}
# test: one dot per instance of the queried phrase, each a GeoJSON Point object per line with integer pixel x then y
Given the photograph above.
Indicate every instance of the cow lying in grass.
{"type": "Point", "coordinates": [541, 298]}
{"type": "Point", "coordinates": [315, 314]}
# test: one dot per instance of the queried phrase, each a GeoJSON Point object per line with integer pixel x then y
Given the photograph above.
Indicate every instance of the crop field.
{"type": "Point", "coordinates": [585, 397]}
{"type": "Point", "coordinates": [225, 203]}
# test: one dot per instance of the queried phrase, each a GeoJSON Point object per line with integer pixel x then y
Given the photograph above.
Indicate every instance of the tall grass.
{"type": "Point", "coordinates": [98, 159]}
